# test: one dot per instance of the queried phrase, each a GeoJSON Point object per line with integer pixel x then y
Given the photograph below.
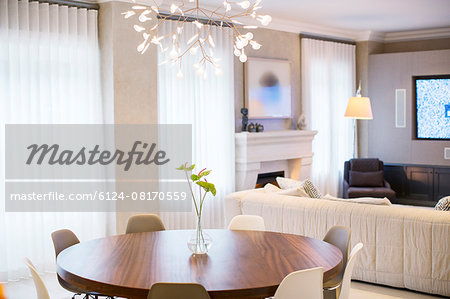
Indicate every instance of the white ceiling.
{"type": "Point", "coordinates": [382, 20]}
{"type": "Point", "coordinates": [360, 15]}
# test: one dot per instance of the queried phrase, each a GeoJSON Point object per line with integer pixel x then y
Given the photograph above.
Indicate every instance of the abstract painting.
{"type": "Point", "coordinates": [268, 88]}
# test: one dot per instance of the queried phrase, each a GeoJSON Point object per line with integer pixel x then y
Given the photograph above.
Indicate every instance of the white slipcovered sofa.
{"type": "Point", "coordinates": [404, 247]}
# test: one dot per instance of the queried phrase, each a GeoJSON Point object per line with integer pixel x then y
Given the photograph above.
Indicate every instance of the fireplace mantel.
{"type": "Point", "coordinates": [287, 150]}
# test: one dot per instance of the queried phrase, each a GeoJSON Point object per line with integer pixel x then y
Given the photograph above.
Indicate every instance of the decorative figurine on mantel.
{"type": "Point", "coordinates": [244, 112]}
{"type": "Point", "coordinates": [251, 127]}
{"type": "Point", "coordinates": [259, 128]}
{"type": "Point", "coordinates": [302, 122]}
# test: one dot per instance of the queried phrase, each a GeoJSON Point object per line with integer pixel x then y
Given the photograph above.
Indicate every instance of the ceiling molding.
{"type": "Point", "coordinates": [417, 35]}
{"type": "Point", "coordinates": [370, 36]}
{"type": "Point", "coordinates": [300, 27]}
{"type": "Point", "coordinates": [326, 31]}
{"type": "Point", "coordinates": [275, 24]}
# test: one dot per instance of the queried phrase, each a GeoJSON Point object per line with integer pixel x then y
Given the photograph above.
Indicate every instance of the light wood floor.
{"type": "Point", "coordinates": [24, 289]}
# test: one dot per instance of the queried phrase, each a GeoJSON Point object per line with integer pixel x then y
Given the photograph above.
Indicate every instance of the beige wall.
{"type": "Point", "coordinates": [129, 79]}
{"type": "Point", "coordinates": [418, 45]}
{"type": "Point", "coordinates": [277, 45]}
{"type": "Point", "coordinates": [363, 50]}
{"type": "Point", "coordinates": [391, 71]}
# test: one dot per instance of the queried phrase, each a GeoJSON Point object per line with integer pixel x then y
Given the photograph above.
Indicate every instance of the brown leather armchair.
{"type": "Point", "coordinates": [365, 178]}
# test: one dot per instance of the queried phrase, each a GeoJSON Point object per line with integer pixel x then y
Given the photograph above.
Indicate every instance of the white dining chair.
{"type": "Point", "coordinates": [303, 284]}
{"type": "Point", "coordinates": [41, 289]}
{"type": "Point", "coordinates": [338, 236]}
{"type": "Point", "coordinates": [344, 290]}
{"type": "Point", "coordinates": [247, 222]}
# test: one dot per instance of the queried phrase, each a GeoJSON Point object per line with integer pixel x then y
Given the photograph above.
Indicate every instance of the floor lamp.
{"type": "Point", "coordinates": [358, 107]}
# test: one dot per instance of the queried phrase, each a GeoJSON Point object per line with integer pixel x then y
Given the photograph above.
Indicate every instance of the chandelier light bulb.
{"type": "Point", "coordinates": [199, 71]}
{"type": "Point", "coordinates": [143, 16]}
{"type": "Point", "coordinates": [248, 36]}
{"type": "Point", "coordinates": [237, 52]}
{"type": "Point", "coordinates": [173, 8]}
{"type": "Point", "coordinates": [218, 72]}
{"type": "Point", "coordinates": [255, 45]}
{"type": "Point", "coordinates": [180, 75]}
{"type": "Point", "coordinates": [243, 57]}
{"type": "Point", "coordinates": [173, 54]}
{"type": "Point", "coordinates": [155, 9]}
{"type": "Point", "coordinates": [145, 48]}
{"type": "Point", "coordinates": [244, 4]}
{"type": "Point", "coordinates": [128, 14]}
{"type": "Point", "coordinates": [138, 28]}
{"type": "Point", "coordinates": [198, 24]}
{"type": "Point", "coordinates": [229, 17]}
{"type": "Point", "coordinates": [265, 20]}
{"type": "Point", "coordinates": [141, 46]}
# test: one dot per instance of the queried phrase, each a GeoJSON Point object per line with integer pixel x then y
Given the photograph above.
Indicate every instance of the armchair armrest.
{"type": "Point", "coordinates": [387, 185]}
{"type": "Point", "coordinates": [345, 187]}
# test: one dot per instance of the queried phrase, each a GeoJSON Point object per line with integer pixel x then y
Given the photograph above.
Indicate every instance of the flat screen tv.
{"type": "Point", "coordinates": [432, 103]}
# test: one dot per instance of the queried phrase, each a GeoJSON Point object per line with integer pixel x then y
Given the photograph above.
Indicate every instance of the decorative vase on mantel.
{"type": "Point", "coordinates": [200, 242]}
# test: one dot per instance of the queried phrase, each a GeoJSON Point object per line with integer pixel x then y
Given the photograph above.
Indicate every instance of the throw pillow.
{"type": "Point", "coordinates": [367, 164]}
{"type": "Point", "coordinates": [311, 190]}
{"type": "Point", "coordinates": [364, 200]}
{"type": "Point", "coordinates": [443, 204]}
{"type": "Point", "coordinates": [300, 192]}
{"type": "Point", "coordinates": [286, 183]}
{"type": "Point", "coordinates": [269, 188]}
{"type": "Point", "coordinates": [366, 179]}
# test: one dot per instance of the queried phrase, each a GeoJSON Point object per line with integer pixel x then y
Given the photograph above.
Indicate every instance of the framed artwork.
{"type": "Point", "coordinates": [268, 88]}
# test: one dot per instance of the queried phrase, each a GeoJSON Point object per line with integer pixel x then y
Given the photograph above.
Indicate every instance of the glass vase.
{"type": "Point", "coordinates": [199, 242]}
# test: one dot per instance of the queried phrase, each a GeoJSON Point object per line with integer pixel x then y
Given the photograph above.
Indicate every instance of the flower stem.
{"type": "Point", "coordinates": [192, 192]}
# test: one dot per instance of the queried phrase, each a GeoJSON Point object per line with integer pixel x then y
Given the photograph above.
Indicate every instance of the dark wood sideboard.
{"type": "Point", "coordinates": [419, 185]}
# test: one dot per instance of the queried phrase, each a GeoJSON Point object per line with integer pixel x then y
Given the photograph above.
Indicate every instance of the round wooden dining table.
{"type": "Point", "coordinates": [240, 264]}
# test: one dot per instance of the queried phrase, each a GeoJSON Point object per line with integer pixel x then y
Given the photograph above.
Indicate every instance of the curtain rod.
{"type": "Point", "coordinates": [327, 39]}
{"type": "Point", "coordinates": [204, 21]}
{"type": "Point", "coordinates": [71, 3]}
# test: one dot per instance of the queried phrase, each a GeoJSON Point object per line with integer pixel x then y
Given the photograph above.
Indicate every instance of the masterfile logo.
{"type": "Point", "coordinates": [96, 167]}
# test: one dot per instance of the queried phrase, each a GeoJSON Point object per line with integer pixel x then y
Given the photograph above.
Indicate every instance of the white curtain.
{"type": "Point", "coordinates": [49, 74]}
{"type": "Point", "coordinates": [209, 106]}
{"type": "Point", "coordinates": [328, 81]}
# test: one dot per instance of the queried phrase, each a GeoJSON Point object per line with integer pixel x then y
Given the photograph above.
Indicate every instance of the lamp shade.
{"type": "Point", "coordinates": [359, 108]}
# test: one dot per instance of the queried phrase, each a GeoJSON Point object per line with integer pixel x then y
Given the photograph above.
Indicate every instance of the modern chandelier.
{"type": "Point", "coordinates": [229, 14]}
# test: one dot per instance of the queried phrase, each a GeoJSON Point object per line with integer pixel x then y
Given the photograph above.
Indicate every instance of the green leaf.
{"type": "Point", "coordinates": [186, 168]}
{"type": "Point", "coordinates": [208, 187]}
{"type": "Point", "coordinates": [194, 177]}
{"type": "Point", "coordinates": [204, 173]}
{"type": "Point", "coordinates": [213, 190]}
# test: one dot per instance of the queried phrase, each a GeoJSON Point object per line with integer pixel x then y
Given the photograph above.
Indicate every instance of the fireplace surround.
{"type": "Point", "coordinates": [286, 150]}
